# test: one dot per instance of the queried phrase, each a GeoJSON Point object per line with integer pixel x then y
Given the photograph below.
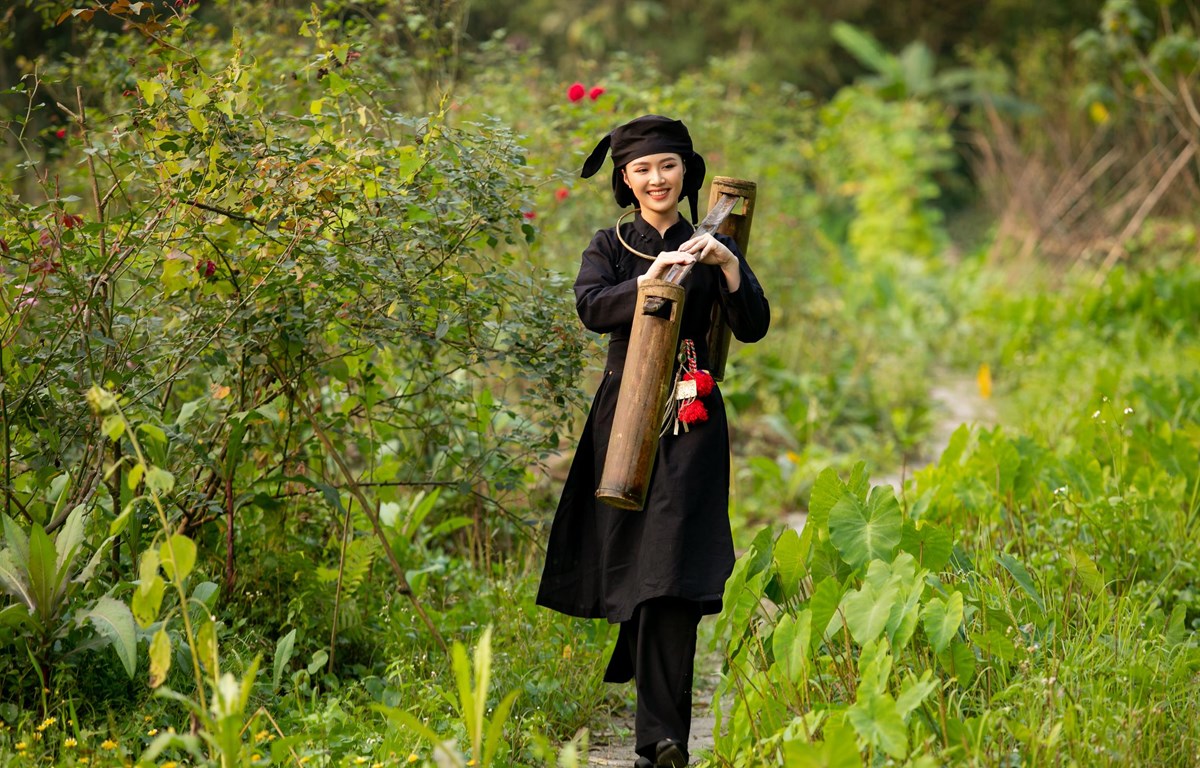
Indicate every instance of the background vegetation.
{"type": "Point", "coordinates": [289, 375]}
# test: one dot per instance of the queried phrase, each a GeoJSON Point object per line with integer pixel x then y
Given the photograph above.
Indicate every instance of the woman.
{"type": "Point", "coordinates": [658, 570]}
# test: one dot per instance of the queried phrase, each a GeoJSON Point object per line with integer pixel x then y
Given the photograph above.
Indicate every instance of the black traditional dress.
{"type": "Point", "coordinates": [601, 562]}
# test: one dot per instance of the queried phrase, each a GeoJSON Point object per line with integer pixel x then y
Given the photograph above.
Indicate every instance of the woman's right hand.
{"type": "Point", "coordinates": [663, 262]}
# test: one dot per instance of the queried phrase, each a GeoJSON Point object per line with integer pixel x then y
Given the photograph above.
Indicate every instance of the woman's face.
{"type": "Point", "coordinates": [656, 181]}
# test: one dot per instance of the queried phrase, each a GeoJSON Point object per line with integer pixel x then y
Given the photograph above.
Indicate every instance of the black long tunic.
{"type": "Point", "coordinates": [601, 562]}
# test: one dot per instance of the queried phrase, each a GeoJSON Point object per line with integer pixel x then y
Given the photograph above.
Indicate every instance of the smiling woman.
{"type": "Point", "coordinates": [656, 570]}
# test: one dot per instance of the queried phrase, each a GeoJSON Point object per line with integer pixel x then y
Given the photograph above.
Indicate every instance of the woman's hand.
{"type": "Point", "coordinates": [709, 250]}
{"type": "Point", "coordinates": [663, 262]}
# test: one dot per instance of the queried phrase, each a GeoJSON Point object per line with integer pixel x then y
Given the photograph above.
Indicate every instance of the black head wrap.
{"type": "Point", "coordinates": [648, 135]}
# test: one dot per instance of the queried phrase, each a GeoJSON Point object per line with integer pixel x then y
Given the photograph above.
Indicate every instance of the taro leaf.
{"type": "Point", "coordinates": [1087, 570]}
{"type": "Point", "coordinates": [824, 605]}
{"type": "Point", "coordinates": [114, 621]}
{"type": "Point", "coordinates": [877, 720]}
{"type": "Point", "coordinates": [959, 661]}
{"type": "Point", "coordinates": [826, 492]}
{"type": "Point", "coordinates": [838, 750]}
{"type": "Point", "coordinates": [865, 532]}
{"type": "Point", "coordinates": [789, 561]}
{"type": "Point", "coordinates": [930, 544]}
{"type": "Point", "coordinates": [283, 655]}
{"type": "Point", "coordinates": [761, 551]}
{"type": "Point", "coordinates": [1022, 577]}
{"type": "Point", "coordinates": [913, 692]}
{"type": "Point", "coordinates": [942, 620]}
{"type": "Point", "coordinates": [867, 610]}
{"type": "Point", "coordinates": [790, 643]}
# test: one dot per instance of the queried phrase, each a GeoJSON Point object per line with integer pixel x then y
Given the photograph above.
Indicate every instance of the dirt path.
{"type": "Point", "coordinates": [956, 401]}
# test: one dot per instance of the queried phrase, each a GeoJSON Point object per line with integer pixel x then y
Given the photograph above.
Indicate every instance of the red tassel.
{"type": "Point", "coordinates": [693, 413]}
{"type": "Point", "coordinates": [704, 382]}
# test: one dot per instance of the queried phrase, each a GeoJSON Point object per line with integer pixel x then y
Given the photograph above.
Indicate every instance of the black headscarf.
{"type": "Point", "coordinates": [648, 135]}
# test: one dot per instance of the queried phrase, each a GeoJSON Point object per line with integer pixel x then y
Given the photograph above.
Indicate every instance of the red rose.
{"type": "Point", "coordinates": [596, 93]}
{"type": "Point", "coordinates": [561, 194]}
{"type": "Point", "coordinates": [576, 92]}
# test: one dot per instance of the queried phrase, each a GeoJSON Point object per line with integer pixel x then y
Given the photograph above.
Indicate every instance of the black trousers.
{"type": "Point", "coordinates": [657, 649]}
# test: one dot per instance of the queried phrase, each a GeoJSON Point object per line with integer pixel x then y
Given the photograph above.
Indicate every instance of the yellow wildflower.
{"type": "Point", "coordinates": [49, 721]}
{"type": "Point", "coordinates": [255, 757]}
{"type": "Point", "coordinates": [37, 736]}
{"type": "Point", "coordinates": [567, 652]}
{"type": "Point", "coordinates": [146, 718]}
{"type": "Point", "coordinates": [169, 764]}
{"type": "Point", "coordinates": [360, 760]}
{"type": "Point", "coordinates": [69, 741]}
{"type": "Point", "coordinates": [261, 735]}
{"type": "Point", "coordinates": [471, 761]}
{"type": "Point", "coordinates": [108, 744]}
{"type": "Point", "coordinates": [83, 761]}
{"type": "Point", "coordinates": [152, 732]}
{"type": "Point", "coordinates": [20, 745]}
{"type": "Point", "coordinates": [413, 758]}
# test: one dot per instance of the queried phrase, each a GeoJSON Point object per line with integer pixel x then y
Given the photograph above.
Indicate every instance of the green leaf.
{"type": "Point", "coordinates": [826, 492]}
{"type": "Point", "coordinates": [942, 620]}
{"type": "Point", "coordinates": [789, 561]}
{"type": "Point", "coordinates": [113, 426]}
{"type": "Point", "coordinates": [959, 661]}
{"type": "Point", "coordinates": [207, 649]}
{"type": "Point", "coordinates": [178, 555]}
{"type": "Point", "coordinates": [1021, 576]}
{"type": "Point", "coordinates": [69, 539]}
{"type": "Point", "coordinates": [43, 573]}
{"type": "Point", "coordinates": [135, 476]}
{"type": "Point", "coordinates": [913, 692]}
{"type": "Point", "coordinates": [877, 720]}
{"type": "Point", "coordinates": [115, 623]}
{"type": "Point", "coordinates": [838, 750]}
{"type": "Point", "coordinates": [147, 599]}
{"type": "Point", "coordinates": [14, 579]}
{"type": "Point", "coordinates": [17, 541]}
{"type": "Point", "coordinates": [159, 480]}
{"type": "Point", "coordinates": [867, 611]}
{"type": "Point", "coordinates": [188, 410]}
{"type": "Point", "coordinates": [151, 90]}
{"type": "Point", "coordinates": [283, 655]}
{"type": "Point", "coordinates": [154, 432]}
{"type": "Point", "coordinates": [160, 658]}
{"type": "Point", "coordinates": [496, 728]}
{"type": "Point", "coordinates": [930, 544]}
{"type": "Point", "coordinates": [865, 532]}
{"type": "Point", "coordinates": [791, 642]}
{"type": "Point", "coordinates": [824, 604]}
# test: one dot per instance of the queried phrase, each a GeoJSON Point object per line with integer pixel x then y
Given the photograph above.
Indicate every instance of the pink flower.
{"type": "Point", "coordinates": [561, 194]}
{"type": "Point", "coordinates": [530, 215]}
{"type": "Point", "coordinates": [576, 92]}
{"type": "Point", "coordinates": [596, 92]}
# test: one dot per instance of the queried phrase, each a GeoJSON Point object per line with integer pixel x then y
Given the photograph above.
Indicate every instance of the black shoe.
{"type": "Point", "coordinates": [669, 753]}
{"type": "Point", "coordinates": [643, 762]}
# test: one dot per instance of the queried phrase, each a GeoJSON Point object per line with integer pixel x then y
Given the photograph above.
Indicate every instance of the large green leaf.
{"type": "Point", "coordinates": [942, 620]}
{"type": "Point", "coordinates": [824, 604]}
{"type": "Point", "coordinates": [68, 540]}
{"type": "Point", "coordinates": [283, 655]}
{"type": "Point", "coordinates": [826, 492]}
{"type": "Point", "coordinates": [867, 610]}
{"type": "Point", "coordinates": [789, 561]}
{"type": "Point", "coordinates": [877, 720]}
{"type": "Point", "coordinates": [114, 621]}
{"type": "Point", "coordinates": [865, 532]}
{"type": "Point", "coordinates": [43, 573]}
{"type": "Point", "coordinates": [791, 643]}
{"type": "Point", "coordinates": [16, 542]}
{"type": "Point", "coordinates": [838, 750]}
{"type": "Point", "coordinates": [929, 543]}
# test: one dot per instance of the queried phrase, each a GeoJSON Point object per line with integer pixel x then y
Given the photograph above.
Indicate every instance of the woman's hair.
{"type": "Point", "coordinates": [648, 135]}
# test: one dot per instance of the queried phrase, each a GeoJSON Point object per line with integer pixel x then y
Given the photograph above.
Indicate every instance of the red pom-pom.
{"type": "Point", "coordinates": [704, 382]}
{"type": "Point", "coordinates": [693, 412]}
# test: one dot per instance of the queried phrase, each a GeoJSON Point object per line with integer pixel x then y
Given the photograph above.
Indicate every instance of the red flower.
{"type": "Point", "coordinates": [70, 221]}
{"type": "Point", "coordinates": [206, 268]}
{"type": "Point", "coordinates": [61, 133]}
{"type": "Point", "coordinates": [529, 215]}
{"type": "Point", "coordinates": [576, 92]}
{"type": "Point", "coordinates": [694, 412]}
{"type": "Point", "coordinates": [596, 92]}
{"type": "Point", "coordinates": [561, 194]}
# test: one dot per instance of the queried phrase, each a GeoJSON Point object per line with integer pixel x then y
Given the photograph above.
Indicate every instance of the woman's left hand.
{"type": "Point", "coordinates": [709, 250]}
